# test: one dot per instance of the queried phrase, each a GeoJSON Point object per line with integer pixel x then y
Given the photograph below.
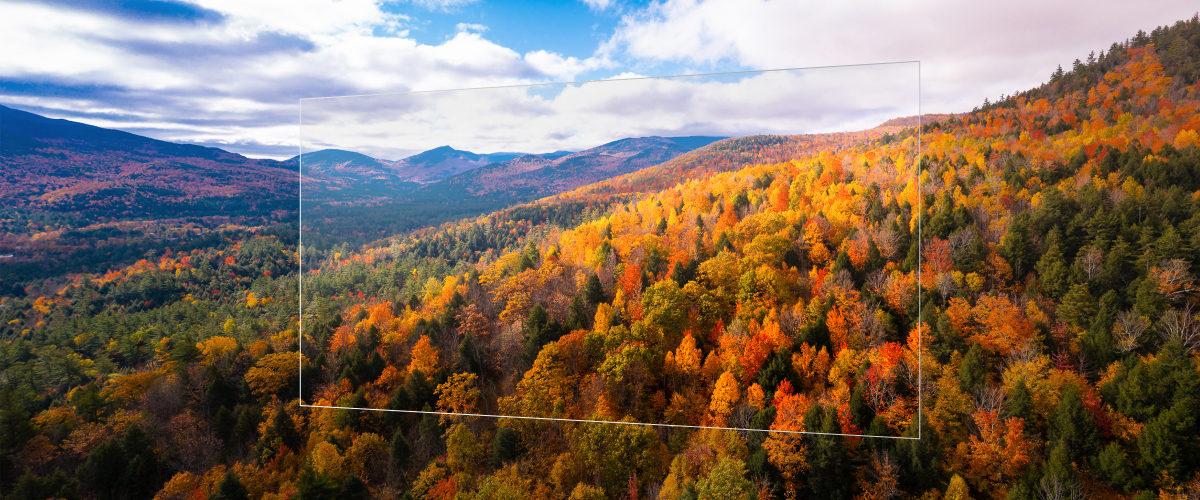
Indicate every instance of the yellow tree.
{"type": "Point", "coordinates": [273, 372]}
{"type": "Point", "coordinates": [725, 396]}
{"type": "Point", "coordinates": [424, 358]}
{"type": "Point", "coordinates": [687, 356]}
{"type": "Point", "coordinates": [458, 394]}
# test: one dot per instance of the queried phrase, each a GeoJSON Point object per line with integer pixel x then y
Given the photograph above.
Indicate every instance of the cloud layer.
{"type": "Point", "coordinates": [230, 73]}
{"type": "Point", "coordinates": [573, 117]}
{"type": "Point", "coordinates": [968, 50]}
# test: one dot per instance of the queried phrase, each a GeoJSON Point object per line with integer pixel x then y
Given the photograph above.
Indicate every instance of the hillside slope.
{"type": "Point", "coordinates": [65, 166]}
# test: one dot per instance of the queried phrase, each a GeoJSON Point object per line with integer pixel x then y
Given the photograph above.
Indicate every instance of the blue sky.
{"type": "Point", "coordinates": [229, 73]}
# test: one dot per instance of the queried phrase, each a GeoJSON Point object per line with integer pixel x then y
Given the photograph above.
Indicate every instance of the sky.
{"type": "Point", "coordinates": [573, 117]}
{"type": "Point", "coordinates": [232, 73]}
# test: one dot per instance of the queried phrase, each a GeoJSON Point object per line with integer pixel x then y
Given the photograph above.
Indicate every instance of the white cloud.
{"type": "Point", "coordinates": [445, 5]}
{"type": "Point", "coordinates": [236, 77]}
{"type": "Point", "coordinates": [565, 68]}
{"type": "Point", "coordinates": [968, 50]}
{"type": "Point", "coordinates": [478, 28]}
{"type": "Point", "coordinates": [238, 80]}
{"type": "Point", "coordinates": [583, 115]}
{"type": "Point", "coordinates": [599, 4]}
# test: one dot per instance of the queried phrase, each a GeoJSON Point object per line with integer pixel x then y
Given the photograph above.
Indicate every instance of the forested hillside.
{"type": "Point", "coordinates": [1016, 286]}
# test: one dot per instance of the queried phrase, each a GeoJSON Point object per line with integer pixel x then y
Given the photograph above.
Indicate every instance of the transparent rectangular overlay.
{"type": "Point", "coordinates": [401, 134]}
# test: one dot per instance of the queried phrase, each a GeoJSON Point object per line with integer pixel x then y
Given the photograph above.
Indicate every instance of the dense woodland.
{"type": "Point", "coordinates": [1015, 286]}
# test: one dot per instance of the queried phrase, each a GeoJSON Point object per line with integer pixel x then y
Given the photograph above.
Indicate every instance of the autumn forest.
{"type": "Point", "coordinates": [1001, 303]}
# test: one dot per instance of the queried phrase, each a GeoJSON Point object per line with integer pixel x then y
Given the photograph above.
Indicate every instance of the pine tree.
{"type": "Point", "coordinates": [860, 411]}
{"type": "Point", "coordinates": [1015, 248]}
{"type": "Point", "coordinates": [1148, 302]}
{"type": "Point", "coordinates": [1074, 425]}
{"type": "Point", "coordinates": [1052, 268]}
{"type": "Point", "coordinates": [1020, 405]}
{"type": "Point", "coordinates": [399, 452]}
{"type": "Point", "coordinates": [1168, 442]}
{"type": "Point", "coordinates": [828, 467]}
{"type": "Point", "coordinates": [973, 372]}
{"type": "Point", "coordinates": [468, 354]}
{"type": "Point", "coordinates": [313, 485]}
{"type": "Point", "coordinates": [231, 488]}
{"type": "Point", "coordinates": [353, 488]}
{"type": "Point", "coordinates": [505, 447]}
{"type": "Point", "coordinates": [577, 315]}
{"type": "Point", "coordinates": [1098, 344]}
{"type": "Point", "coordinates": [1113, 466]}
{"type": "Point", "coordinates": [1078, 307]}
{"type": "Point", "coordinates": [594, 292]}
{"type": "Point", "coordinates": [920, 459]}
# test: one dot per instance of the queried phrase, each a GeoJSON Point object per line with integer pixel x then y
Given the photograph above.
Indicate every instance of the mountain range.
{"type": "Point", "coordinates": [66, 166]}
{"type": "Point", "coordinates": [445, 172]}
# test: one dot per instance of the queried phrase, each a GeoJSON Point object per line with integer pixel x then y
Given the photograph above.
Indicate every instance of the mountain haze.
{"type": "Point", "coordinates": [533, 176]}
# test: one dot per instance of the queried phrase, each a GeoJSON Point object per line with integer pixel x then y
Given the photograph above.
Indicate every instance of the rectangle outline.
{"type": "Point", "coordinates": [920, 216]}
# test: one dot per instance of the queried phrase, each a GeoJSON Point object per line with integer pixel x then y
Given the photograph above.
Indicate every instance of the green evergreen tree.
{"type": "Point", "coordinates": [430, 430]}
{"type": "Point", "coordinates": [231, 488]}
{"type": "Point", "coordinates": [1052, 268]}
{"type": "Point", "coordinates": [102, 472]}
{"type": "Point", "coordinates": [353, 488]}
{"type": "Point", "coordinates": [577, 315]}
{"type": "Point", "coordinates": [468, 354]}
{"type": "Point", "coordinates": [1168, 442]}
{"type": "Point", "coordinates": [282, 432]}
{"type": "Point", "coordinates": [946, 340]}
{"type": "Point", "coordinates": [1057, 467]}
{"type": "Point", "coordinates": [1098, 344]}
{"type": "Point", "coordinates": [861, 412]}
{"type": "Point", "coordinates": [313, 485]}
{"type": "Point", "coordinates": [351, 418]}
{"type": "Point", "coordinates": [875, 258]}
{"type": "Point", "coordinates": [1020, 491]}
{"type": "Point", "coordinates": [920, 456]}
{"type": "Point", "coordinates": [1020, 405]}
{"type": "Point", "coordinates": [420, 391]}
{"type": "Point", "coordinates": [1170, 245]}
{"type": "Point", "coordinates": [1074, 425]}
{"type": "Point", "coordinates": [143, 474]}
{"type": "Point", "coordinates": [973, 372]}
{"type": "Point", "coordinates": [505, 447]}
{"type": "Point", "coordinates": [123, 468]}
{"type": "Point", "coordinates": [970, 259]}
{"type": "Point", "coordinates": [1078, 307]}
{"type": "Point", "coordinates": [1113, 466]}
{"type": "Point", "coordinates": [17, 428]}
{"type": "Point", "coordinates": [247, 424]}
{"type": "Point", "coordinates": [1015, 247]}
{"type": "Point", "coordinates": [1148, 301]}
{"type": "Point", "coordinates": [399, 452]}
{"type": "Point", "coordinates": [539, 330]}
{"type": "Point", "coordinates": [828, 468]}
{"type": "Point", "coordinates": [32, 487]}
{"type": "Point", "coordinates": [184, 350]}
{"type": "Point", "coordinates": [594, 292]}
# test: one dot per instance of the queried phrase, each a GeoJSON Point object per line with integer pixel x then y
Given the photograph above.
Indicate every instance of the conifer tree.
{"type": "Point", "coordinates": [231, 488]}
{"type": "Point", "coordinates": [828, 467]}
{"type": "Point", "coordinates": [1074, 425]}
{"type": "Point", "coordinates": [1052, 268]}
